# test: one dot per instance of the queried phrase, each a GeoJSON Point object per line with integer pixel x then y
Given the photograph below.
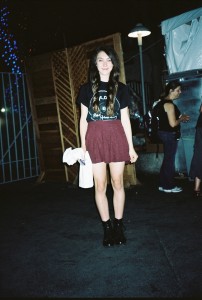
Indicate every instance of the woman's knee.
{"type": "Point", "coordinates": [100, 186]}
{"type": "Point", "coordinates": [117, 183]}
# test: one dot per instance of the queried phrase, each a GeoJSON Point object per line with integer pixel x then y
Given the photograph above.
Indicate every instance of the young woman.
{"type": "Point", "coordinates": [169, 133]}
{"type": "Point", "coordinates": [105, 132]}
{"type": "Point", "coordinates": [196, 163]}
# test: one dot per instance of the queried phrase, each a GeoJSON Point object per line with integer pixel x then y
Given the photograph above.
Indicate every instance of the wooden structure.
{"type": "Point", "coordinates": [53, 83]}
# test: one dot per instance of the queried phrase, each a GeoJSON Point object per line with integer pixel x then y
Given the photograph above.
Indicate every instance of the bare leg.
{"type": "Point", "coordinates": [116, 172]}
{"type": "Point", "coordinates": [100, 180]}
{"type": "Point", "coordinates": [197, 184]}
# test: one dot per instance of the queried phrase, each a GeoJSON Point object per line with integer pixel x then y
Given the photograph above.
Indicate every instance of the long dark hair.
{"type": "Point", "coordinates": [172, 85]}
{"type": "Point", "coordinates": [94, 78]}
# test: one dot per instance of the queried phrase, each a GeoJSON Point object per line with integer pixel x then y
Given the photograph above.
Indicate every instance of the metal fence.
{"type": "Point", "coordinates": [18, 148]}
{"type": "Point", "coordinates": [137, 88]}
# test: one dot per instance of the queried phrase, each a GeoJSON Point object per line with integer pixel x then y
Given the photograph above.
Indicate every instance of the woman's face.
{"type": "Point", "coordinates": [104, 65]}
{"type": "Point", "coordinates": [176, 92]}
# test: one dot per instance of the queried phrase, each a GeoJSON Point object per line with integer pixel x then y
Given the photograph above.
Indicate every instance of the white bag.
{"type": "Point", "coordinates": [86, 173]}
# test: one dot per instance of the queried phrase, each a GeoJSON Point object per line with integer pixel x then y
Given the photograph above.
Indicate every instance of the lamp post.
{"type": "Point", "coordinates": [138, 32]}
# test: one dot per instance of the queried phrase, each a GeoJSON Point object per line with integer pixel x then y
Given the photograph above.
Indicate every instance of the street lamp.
{"type": "Point", "coordinates": [138, 32]}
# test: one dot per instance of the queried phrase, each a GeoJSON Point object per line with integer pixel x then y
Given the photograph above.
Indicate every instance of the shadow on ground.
{"type": "Point", "coordinates": [51, 243]}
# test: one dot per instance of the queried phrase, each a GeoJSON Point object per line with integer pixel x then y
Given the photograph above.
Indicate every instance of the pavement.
{"type": "Point", "coordinates": [51, 243]}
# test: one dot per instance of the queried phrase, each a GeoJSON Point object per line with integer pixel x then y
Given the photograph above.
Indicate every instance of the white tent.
{"type": "Point", "coordinates": [183, 41]}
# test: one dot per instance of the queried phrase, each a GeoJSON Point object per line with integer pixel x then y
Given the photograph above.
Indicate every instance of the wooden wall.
{"type": "Point", "coordinates": [53, 83]}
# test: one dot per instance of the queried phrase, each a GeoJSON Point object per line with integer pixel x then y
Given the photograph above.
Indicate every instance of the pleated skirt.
{"type": "Point", "coordinates": [106, 142]}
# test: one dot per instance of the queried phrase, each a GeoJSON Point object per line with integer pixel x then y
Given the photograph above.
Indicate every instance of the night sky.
{"type": "Point", "coordinates": [41, 26]}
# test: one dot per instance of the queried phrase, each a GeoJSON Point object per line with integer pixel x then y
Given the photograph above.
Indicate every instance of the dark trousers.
{"type": "Point", "coordinates": [167, 171]}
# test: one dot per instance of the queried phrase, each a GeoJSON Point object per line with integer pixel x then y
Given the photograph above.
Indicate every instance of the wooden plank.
{"type": "Point", "coordinates": [44, 100]}
{"type": "Point", "coordinates": [39, 63]}
{"type": "Point", "coordinates": [119, 50]}
{"type": "Point", "coordinates": [48, 120]}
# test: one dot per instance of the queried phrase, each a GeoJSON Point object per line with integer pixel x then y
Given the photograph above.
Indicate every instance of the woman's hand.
{"type": "Point", "coordinates": [125, 120]}
{"type": "Point", "coordinates": [184, 118]}
{"type": "Point", "coordinates": [133, 155]}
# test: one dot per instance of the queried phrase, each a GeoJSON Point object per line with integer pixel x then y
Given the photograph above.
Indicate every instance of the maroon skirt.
{"type": "Point", "coordinates": [106, 142]}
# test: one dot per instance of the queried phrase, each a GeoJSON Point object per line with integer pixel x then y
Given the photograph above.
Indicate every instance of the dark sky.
{"type": "Point", "coordinates": [46, 25]}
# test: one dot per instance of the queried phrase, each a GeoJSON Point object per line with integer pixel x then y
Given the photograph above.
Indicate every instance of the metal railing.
{"type": "Point", "coordinates": [18, 148]}
{"type": "Point", "coordinates": [137, 88]}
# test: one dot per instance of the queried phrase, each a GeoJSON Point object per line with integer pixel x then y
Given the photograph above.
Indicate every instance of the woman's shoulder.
{"type": "Point", "coordinates": [168, 103]}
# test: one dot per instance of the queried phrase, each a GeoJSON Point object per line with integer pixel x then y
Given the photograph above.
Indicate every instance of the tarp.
{"type": "Point", "coordinates": [183, 41]}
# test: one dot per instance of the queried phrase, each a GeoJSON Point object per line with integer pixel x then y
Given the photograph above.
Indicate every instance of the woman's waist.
{"type": "Point", "coordinates": [169, 129]}
{"type": "Point", "coordinates": [104, 122]}
{"type": "Point", "coordinates": [166, 131]}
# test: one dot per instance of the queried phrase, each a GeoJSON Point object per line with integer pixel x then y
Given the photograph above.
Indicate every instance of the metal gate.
{"type": "Point", "coordinates": [18, 150]}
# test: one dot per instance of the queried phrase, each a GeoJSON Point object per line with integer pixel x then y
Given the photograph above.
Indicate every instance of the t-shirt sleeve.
{"type": "Point", "coordinates": [125, 99]}
{"type": "Point", "coordinates": [83, 95]}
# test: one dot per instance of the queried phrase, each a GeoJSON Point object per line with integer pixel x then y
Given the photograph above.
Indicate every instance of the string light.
{"type": "Point", "coordinates": [8, 44]}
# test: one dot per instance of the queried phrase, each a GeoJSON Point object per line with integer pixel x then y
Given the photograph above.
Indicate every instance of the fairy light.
{"type": "Point", "coordinates": [8, 44]}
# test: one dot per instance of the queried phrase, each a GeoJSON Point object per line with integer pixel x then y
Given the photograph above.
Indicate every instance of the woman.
{"type": "Point", "coordinates": [169, 133]}
{"type": "Point", "coordinates": [196, 163]}
{"type": "Point", "coordinates": [105, 132]}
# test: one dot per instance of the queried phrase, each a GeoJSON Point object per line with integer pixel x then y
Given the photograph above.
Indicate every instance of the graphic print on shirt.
{"type": "Point", "coordinates": [101, 114]}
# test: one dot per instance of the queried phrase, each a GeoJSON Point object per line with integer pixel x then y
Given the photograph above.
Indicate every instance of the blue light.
{"type": "Point", "coordinates": [8, 45]}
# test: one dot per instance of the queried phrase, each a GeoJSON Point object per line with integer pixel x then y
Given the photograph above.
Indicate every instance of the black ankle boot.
{"type": "Point", "coordinates": [108, 234]}
{"type": "Point", "coordinates": [119, 237]}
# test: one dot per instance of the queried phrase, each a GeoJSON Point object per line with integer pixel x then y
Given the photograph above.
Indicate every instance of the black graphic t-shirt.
{"type": "Point", "coordinates": [85, 97]}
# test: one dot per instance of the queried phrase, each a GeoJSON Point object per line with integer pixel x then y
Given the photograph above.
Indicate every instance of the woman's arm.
{"type": "Point", "coordinates": [169, 108]}
{"type": "Point", "coordinates": [125, 120]}
{"type": "Point", "coordinates": [83, 125]}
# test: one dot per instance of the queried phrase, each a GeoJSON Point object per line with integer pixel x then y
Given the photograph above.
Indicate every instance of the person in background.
{"type": "Point", "coordinates": [169, 133]}
{"type": "Point", "coordinates": [105, 132]}
{"type": "Point", "coordinates": [196, 163]}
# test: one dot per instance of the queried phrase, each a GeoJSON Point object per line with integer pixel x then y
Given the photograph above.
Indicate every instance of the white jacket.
{"type": "Point", "coordinates": [70, 157]}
